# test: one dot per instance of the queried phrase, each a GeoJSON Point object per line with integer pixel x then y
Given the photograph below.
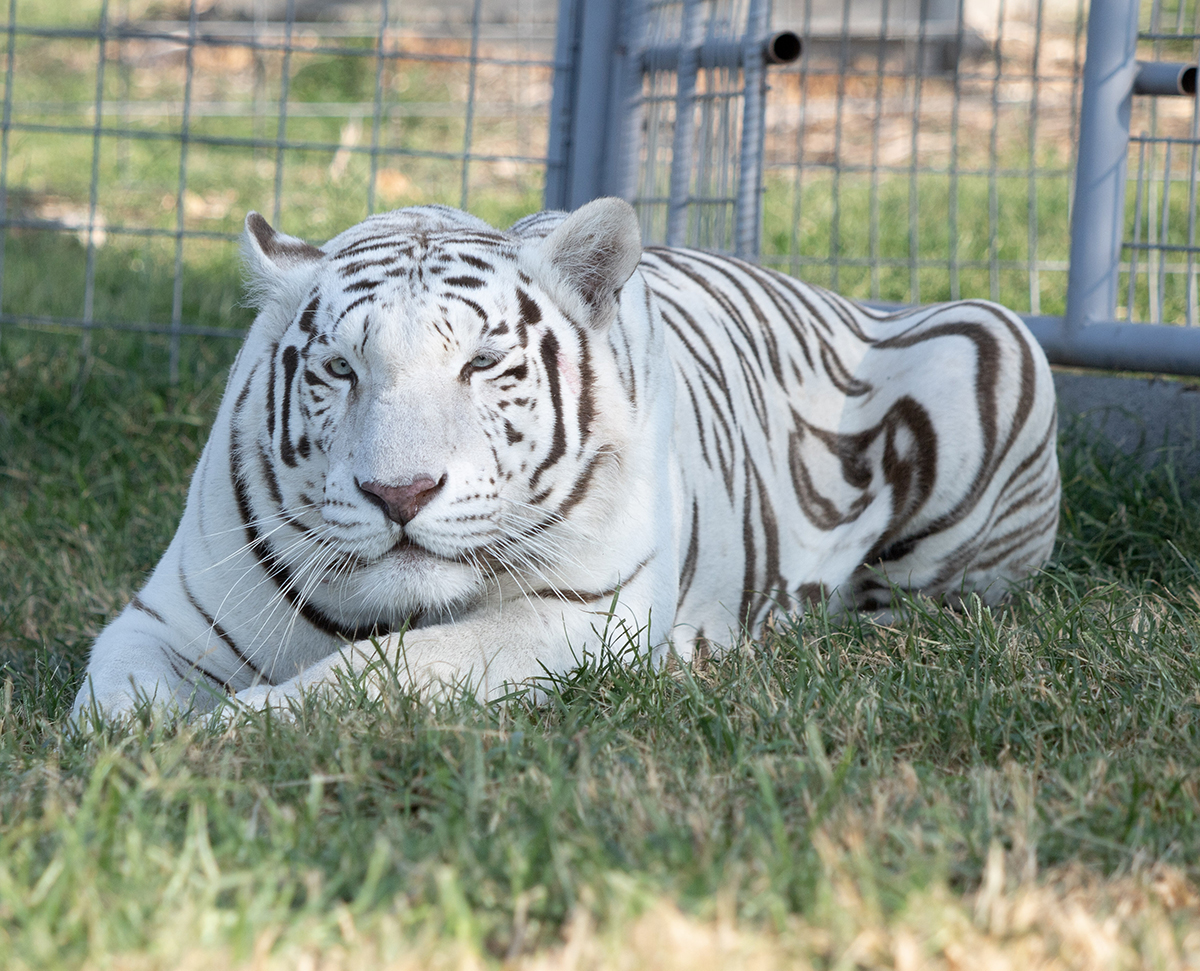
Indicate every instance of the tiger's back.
{"type": "Point", "coordinates": [828, 450]}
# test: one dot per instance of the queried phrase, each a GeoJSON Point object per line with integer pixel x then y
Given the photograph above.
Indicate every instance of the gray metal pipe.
{"type": "Point", "coordinates": [1165, 78]}
{"type": "Point", "coordinates": [1098, 216]}
{"type": "Point", "coordinates": [782, 47]}
{"type": "Point", "coordinates": [1115, 346]}
{"type": "Point", "coordinates": [747, 228]}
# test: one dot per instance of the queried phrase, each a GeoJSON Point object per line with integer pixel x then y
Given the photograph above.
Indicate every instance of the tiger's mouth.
{"type": "Point", "coordinates": [406, 548]}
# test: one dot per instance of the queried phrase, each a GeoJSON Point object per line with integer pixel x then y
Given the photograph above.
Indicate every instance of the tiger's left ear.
{"type": "Point", "coordinates": [279, 267]}
{"type": "Point", "coordinates": [588, 258]}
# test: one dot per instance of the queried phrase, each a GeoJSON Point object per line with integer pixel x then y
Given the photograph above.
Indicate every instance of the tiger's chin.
{"type": "Point", "coordinates": [407, 578]}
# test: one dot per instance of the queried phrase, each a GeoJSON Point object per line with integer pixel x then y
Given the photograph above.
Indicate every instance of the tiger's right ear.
{"type": "Point", "coordinates": [278, 267]}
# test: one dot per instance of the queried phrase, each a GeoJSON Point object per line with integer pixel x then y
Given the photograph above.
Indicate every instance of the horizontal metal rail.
{"type": "Point", "coordinates": [782, 47]}
{"type": "Point", "coordinates": [1117, 346]}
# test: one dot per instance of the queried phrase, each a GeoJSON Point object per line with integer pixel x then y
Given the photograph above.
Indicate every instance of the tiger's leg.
{"type": "Point", "coordinates": [133, 663]}
{"type": "Point", "coordinates": [488, 653]}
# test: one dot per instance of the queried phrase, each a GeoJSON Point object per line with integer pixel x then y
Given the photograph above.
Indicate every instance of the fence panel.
{"type": "Point", "coordinates": [136, 135]}
{"type": "Point", "coordinates": [920, 150]}
{"type": "Point", "coordinates": [924, 151]}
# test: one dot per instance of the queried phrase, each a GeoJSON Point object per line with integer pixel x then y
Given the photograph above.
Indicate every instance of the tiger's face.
{"type": "Point", "coordinates": [433, 407]}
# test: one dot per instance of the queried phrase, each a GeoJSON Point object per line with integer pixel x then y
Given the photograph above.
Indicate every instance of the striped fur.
{"type": "Point", "coordinates": [479, 454]}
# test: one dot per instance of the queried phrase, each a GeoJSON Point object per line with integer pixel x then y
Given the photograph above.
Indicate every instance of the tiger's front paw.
{"type": "Point", "coordinates": [250, 700]}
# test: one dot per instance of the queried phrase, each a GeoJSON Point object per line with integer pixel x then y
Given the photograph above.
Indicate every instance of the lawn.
{"type": "Point", "coordinates": [1014, 787]}
{"type": "Point", "coordinates": [1018, 784]}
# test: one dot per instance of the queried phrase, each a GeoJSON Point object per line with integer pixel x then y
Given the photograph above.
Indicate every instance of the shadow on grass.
{"type": "Point", "coordinates": [94, 471]}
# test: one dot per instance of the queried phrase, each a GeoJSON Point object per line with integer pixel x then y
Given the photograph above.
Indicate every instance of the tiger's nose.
{"type": "Point", "coordinates": [403, 502]}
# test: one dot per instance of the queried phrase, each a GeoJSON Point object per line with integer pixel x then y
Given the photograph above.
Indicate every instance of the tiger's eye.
{"type": "Point", "coordinates": [481, 361]}
{"type": "Point", "coordinates": [339, 367]}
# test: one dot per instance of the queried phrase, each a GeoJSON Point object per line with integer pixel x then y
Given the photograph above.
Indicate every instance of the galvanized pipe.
{"type": "Point", "coordinates": [1098, 216]}
{"type": "Point", "coordinates": [1115, 346]}
{"type": "Point", "coordinates": [1165, 79]}
{"type": "Point", "coordinates": [747, 214]}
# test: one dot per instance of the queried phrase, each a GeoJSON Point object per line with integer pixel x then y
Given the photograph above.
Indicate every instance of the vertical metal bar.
{"type": "Point", "coordinates": [1164, 235]}
{"type": "Point", "coordinates": [1155, 231]}
{"type": "Point", "coordinates": [1076, 74]}
{"type": "Point", "coordinates": [625, 109]}
{"type": "Point", "coordinates": [260, 69]}
{"type": "Point", "coordinates": [181, 191]}
{"type": "Point", "coordinates": [469, 124]}
{"type": "Point", "coordinates": [1035, 288]}
{"type": "Point", "coordinates": [562, 101]}
{"type": "Point", "coordinates": [835, 243]}
{"type": "Point", "coordinates": [377, 115]}
{"type": "Point", "coordinates": [994, 163]}
{"type": "Point", "coordinates": [1190, 317]}
{"type": "Point", "coordinates": [123, 68]}
{"type": "Point", "coordinates": [748, 213]}
{"type": "Point", "coordinates": [798, 180]}
{"type": "Point", "coordinates": [1096, 227]}
{"type": "Point", "coordinates": [1153, 253]}
{"type": "Point", "coordinates": [285, 80]}
{"type": "Point", "coordinates": [89, 278]}
{"type": "Point", "coordinates": [685, 123]}
{"type": "Point", "coordinates": [596, 104]}
{"type": "Point", "coordinates": [881, 54]}
{"type": "Point", "coordinates": [914, 198]}
{"type": "Point", "coordinates": [952, 256]}
{"type": "Point", "coordinates": [5, 129]}
{"type": "Point", "coordinates": [1137, 229]}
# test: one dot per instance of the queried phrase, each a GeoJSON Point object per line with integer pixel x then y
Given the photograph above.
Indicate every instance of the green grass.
{"type": "Point", "coordinates": [1017, 785]}
{"type": "Point", "coordinates": [1059, 735]}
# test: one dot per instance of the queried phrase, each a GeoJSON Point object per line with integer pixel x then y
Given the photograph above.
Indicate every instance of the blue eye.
{"type": "Point", "coordinates": [481, 361]}
{"type": "Point", "coordinates": [339, 367]}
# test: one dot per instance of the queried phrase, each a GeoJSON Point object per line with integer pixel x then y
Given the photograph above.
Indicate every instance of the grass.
{"type": "Point", "coordinates": [994, 788]}
{"type": "Point", "coordinates": [1018, 783]}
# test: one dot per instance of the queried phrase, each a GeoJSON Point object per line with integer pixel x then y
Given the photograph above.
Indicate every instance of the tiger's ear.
{"type": "Point", "coordinates": [278, 267]}
{"type": "Point", "coordinates": [589, 256]}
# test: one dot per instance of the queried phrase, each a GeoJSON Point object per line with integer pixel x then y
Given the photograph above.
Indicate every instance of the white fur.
{"type": "Point", "coordinates": [565, 524]}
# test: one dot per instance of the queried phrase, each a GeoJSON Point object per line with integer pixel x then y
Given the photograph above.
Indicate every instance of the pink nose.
{"type": "Point", "coordinates": [403, 502]}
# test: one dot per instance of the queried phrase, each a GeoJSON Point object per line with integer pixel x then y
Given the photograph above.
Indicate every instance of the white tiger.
{"type": "Point", "coordinates": [454, 455]}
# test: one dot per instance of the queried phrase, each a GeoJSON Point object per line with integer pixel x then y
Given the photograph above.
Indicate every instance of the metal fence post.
{"type": "Point", "coordinates": [747, 232]}
{"type": "Point", "coordinates": [1098, 216]}
{"type": "Point", "coordinates": [586, 116]}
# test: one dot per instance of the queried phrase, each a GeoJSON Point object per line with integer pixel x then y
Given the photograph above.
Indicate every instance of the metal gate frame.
{"type": "Point", "coordinates": [1088, 336]}
{"type": "Point", "coordinates": [596, 144]}
{"type": "Point", "coordinates": [597, 109]}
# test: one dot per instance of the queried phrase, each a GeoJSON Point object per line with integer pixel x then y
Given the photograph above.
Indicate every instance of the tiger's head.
{"type": "Point", "coordinates": [440, 398]}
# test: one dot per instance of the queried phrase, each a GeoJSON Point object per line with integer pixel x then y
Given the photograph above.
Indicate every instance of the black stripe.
{"type": "Point", "coordinates": [138, 604]}
{"type": "Point", "coordinates": [479, 311]}
{"type": "Point", "coordinates": [192, 666]}
{"type": "Point", "coordinates": [588, 596]}
{"type": "Point", "coordinates": [291, 359]}
{"type": "Point", "coordinates": [476, 262]}
{"type": "Point", "coordinates": [308, 317]}
{"type": "Point", "coordinates": [558, 445]}
{"type": "Point", "coordinates": [270, 393]}
{"type": "Point", "coordinates": [277, 571]}
{"type": "Point", "coordinates": [688, 573]}
{"type": "Point", "coordinates": [352, 305]}
{"type": "Point", "coordinates": [222, 633]}
{"type": "Point", "coordinates": [587, 378]}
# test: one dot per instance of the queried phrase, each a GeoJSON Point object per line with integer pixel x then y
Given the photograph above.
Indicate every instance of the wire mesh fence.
{"type": "Point", "coordinates": [1158, 282]}
{"type": "Point", "coordinates": [688, 165]}
{"type": "Point", "coordinates": [136, 135]}
{"type": "Point", "coordinates": [919, 150]}
{"type": "Point", "coordinates": [925, 151]}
